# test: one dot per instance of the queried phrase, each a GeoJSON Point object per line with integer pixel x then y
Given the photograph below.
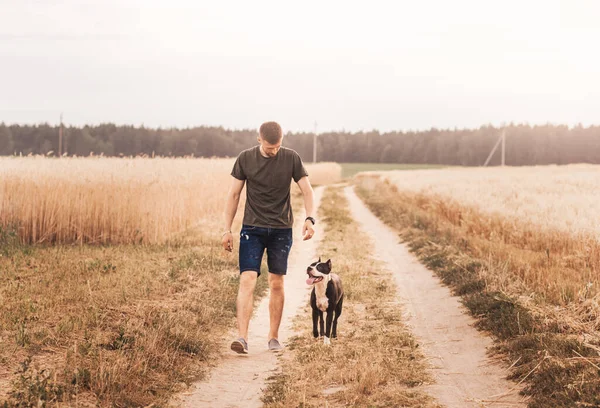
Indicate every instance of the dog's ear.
{"type": "Point", "coordinates": [328, 263]}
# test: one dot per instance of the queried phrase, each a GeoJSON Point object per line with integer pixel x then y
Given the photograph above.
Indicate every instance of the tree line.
{"type": "Point", "coordinates": [525, 144]}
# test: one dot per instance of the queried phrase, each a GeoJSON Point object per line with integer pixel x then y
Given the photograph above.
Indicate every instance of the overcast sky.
{"type": "Point", "coordinates": [348, 65]}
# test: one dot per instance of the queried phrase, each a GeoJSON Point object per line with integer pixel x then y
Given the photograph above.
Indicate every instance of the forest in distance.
{"type": "Point", "coordinates": [525, 144]}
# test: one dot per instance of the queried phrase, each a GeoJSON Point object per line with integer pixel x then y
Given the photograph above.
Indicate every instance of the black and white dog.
{"type": "Point", "coordinates": [327, 296]}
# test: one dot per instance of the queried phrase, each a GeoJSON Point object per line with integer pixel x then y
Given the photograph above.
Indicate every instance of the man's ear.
{"type": "Point", "coordinates": [328, 263]}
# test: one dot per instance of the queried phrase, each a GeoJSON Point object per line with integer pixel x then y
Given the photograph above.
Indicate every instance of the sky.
{"type": "Point", "coordinates": [386, 65]}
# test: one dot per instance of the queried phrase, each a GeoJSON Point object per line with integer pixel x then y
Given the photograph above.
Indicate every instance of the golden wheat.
{"type": "Point", "coordinates": [540, 304]}
{"type": "Point", "coordinates": [563, 198]}
{"type": "Point", "coordinates": [540, 222]}
{"type": "Point", "coordinates": [324, 173]}
{"type": "Point", "coordinates": [113, 200]}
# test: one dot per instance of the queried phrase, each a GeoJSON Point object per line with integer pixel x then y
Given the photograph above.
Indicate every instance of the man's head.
{"type": "Point", "coordinates": [270, 136]}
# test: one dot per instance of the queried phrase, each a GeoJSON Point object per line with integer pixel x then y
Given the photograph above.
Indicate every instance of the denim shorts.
{"type": "Point", "coordinates": [254, 241]}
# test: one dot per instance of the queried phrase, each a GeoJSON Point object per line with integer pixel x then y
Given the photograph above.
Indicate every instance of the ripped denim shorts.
{"type": "Point", "coordinates": [254, 241]}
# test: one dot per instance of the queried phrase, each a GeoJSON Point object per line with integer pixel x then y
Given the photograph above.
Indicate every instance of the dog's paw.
{"type": "Point", "coordinates": [326, 341]}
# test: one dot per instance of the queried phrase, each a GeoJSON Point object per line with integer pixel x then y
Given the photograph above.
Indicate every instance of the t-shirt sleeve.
{"type": "Point", "coordinates": [299, 170]}
{"type": "Point", "coordinates": [238, 171]}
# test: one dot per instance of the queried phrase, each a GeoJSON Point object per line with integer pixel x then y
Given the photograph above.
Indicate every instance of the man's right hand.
{"type": "Point", "coordinates": [227, 241]}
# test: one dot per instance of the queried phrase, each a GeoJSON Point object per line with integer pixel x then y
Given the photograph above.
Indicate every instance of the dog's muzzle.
{"type": "Point", "coordinates": [311, 278]}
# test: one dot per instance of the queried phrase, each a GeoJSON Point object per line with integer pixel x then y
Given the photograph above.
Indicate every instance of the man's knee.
{"type": "Point", "coordinates": [275, 282]}
{"type": "Point", "coordinates": [248, 281]}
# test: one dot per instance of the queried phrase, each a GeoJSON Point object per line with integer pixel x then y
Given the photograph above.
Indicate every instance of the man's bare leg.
{"type": "Point", "coordinates": [245, 300]}
{"type": "Point", "coordinates": [276, 301]}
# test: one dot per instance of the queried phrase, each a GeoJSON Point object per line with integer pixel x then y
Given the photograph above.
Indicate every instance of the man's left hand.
{"type": "Point", "coordinates": [307, 230]}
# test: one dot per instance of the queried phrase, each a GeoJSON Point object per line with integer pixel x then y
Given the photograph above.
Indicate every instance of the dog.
{"type": "Point", "coordinates": [327, 296]}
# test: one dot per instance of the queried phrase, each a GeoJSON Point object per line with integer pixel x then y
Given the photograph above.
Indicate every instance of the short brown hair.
{"type": "Point", "coordinates": [271, 132]}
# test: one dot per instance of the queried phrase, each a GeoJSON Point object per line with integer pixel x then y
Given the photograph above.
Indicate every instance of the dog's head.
{"type": "Point", "coordinates": [317, 271]}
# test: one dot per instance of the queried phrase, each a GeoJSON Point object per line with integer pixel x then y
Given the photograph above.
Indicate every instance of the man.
{"type": "Point", "coordinates": [267, 170]}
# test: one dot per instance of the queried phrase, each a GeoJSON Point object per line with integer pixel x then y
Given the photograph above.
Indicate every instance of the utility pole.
{"type": "Point", "coordinates": [502, 140]}
{"type": "Point", "coordinates": [315, 144]}
{"type": "Point", "coordinates": [60, 136]}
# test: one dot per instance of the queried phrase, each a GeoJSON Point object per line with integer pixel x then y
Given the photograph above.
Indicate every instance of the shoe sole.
{"type": "Point", "coordinates": [238, 347]}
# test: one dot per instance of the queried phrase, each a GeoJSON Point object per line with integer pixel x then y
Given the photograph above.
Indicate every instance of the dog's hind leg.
{"type": "Point", "coordinates": [338, 313]}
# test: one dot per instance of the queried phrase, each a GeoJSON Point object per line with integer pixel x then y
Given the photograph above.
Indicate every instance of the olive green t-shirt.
{"type": "Point", "coordinates": [268, 182]}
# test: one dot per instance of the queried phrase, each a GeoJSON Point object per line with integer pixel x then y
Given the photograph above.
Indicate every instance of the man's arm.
{"type": "Point", "coordinates": [233, 200]}
{"type": "Point", "coordinates": [309, 203]}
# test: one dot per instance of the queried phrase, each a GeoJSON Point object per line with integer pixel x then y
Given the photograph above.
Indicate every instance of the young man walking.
{"type": "Point", "coordinates": [267, 170]}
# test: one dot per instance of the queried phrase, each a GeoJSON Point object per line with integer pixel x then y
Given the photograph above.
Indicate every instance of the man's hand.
{"type": "Point", "coordinates": [227, 241]}
{"type": "Point", "coordinates": [307, 230]}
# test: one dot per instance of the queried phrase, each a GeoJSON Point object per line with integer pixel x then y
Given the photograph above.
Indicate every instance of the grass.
{"type": "Point", "coordinates": [351, 169]}
{"type": "Point", "coordinates": [558, 365]}
{"type": "Point", "coordinates": [114, 325]}
{"type": "Point", "coordinates": [375, 361]}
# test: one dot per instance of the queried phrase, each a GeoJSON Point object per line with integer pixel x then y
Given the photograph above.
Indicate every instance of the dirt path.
{"type": "Point", "coordinates": [465, 376]}
{"type": "Point", "coordinates": [238, 380]}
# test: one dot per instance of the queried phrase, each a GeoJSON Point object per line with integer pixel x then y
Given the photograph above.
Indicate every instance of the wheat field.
{"type": "Point", "coordinates": [121, 324]}
{"type": "Point", "coordinates": [520, 248]}
{"type": "Point", "coordinates": [540, 222]}
{"type": "Point", "coordinates": [113, 200]}
{"type": "Point", "coordinates": [553, 198]}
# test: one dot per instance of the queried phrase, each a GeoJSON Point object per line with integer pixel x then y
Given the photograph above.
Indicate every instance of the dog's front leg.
{"type": "Point", "coordinates": [315, 318]}
{"type": "Point", "coordinates": [338, 313]}
{"type": "Point", "coordinates": [328, 327]}
{"type": "Point", "coordinates": [321, 324]}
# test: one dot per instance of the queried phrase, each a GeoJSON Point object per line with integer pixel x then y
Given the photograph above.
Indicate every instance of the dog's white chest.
{"type": "Point", "coordinates": [322, 304]}
{"type": "Point", "coordinates": [322, 301]}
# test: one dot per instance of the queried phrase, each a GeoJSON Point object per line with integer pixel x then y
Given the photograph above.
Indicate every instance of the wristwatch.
{"type": "Point", "coordinates": [311, 219]}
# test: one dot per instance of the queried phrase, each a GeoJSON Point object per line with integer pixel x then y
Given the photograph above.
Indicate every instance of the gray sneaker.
{"type": "Point", "coordinates": [240, 346]}
{"type": "Point", "coordinates": [274, 345]}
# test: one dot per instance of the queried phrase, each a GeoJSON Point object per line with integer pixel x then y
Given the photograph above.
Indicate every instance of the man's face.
{"type": "Point", "coordinates": [269, 149]}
